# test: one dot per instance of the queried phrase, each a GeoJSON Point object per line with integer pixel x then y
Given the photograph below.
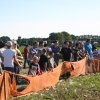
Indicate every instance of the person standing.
{"type": "Point", "coordinates": [51, 62]}
{"type": "Point", "coordinates": [33, 51]}
{"type": "Point", "coordinates": [55, 50]}
{"type": "Point", "coordinates": [40, 48]}
{"type": "Point", "coordinates": [43, 61]}
{"type": "Point", "coordinates": [34, 68]}
{"type": "Point", "coordinates": [18, 56]}
{"type": "Point", "coordinates": [9, 57]}
{"type": "Point", "coordinates": [66, 51]}
{"type": "Point", "coordinates": [88, 48]}
{"type": "Point", "coordinates": [25, 55]}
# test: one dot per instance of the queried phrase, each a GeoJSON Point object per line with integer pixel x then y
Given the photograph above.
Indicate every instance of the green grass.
{"type": "Point", "coordinates": [78, 88]}
{"type": "Point", "coordinates": [22, 49]}
{"type": "Point", "coordinates": [98, 48]}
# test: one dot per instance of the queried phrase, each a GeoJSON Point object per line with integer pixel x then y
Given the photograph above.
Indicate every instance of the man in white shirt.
{"type": "Point", "coordinates": [9, 56]}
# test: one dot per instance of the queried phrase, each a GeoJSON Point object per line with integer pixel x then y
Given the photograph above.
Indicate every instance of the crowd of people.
{"type": "Point", "coordinates": [41, 57]}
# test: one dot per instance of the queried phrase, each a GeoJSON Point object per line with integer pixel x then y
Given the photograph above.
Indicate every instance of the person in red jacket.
{"type": "Point", "coordinates": [25, 55]}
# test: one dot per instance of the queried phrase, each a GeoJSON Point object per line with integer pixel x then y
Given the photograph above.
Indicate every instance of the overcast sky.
{"type": "Point", "coordinates": [38, 18]}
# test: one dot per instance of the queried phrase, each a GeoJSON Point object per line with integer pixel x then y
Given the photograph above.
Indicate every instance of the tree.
{"type": "Point", "coordinates": [60, 36]}
{"type": "Point", "coordinates": [19, 40]}
{"type": "Point", "coordinates": [73, 37]}
{"type": "Point", "coordinates": [53, 36]}
{"type": "Point", "coordinates": [66, 36]}
{"type": "Point", "coordinates": [5, 39]}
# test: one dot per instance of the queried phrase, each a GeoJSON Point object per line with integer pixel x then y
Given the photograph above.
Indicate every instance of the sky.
{"type": "Point", "coordinates": [39, 18]}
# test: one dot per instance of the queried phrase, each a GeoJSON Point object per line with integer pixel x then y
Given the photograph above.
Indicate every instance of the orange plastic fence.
{"type": "Point", "coordinates": [96, 65]}
{"type": "Point", "coordinates": [5, 86]}
{"type": "Point", "coordinates": [45, 80]}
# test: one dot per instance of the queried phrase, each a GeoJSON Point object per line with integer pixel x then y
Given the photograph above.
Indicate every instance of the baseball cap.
{"type": "Point", "coordinates": [9, 43]}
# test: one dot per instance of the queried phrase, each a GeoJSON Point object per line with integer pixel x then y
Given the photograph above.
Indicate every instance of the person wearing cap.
{"type": "Point", "coordinates": [9, 56]}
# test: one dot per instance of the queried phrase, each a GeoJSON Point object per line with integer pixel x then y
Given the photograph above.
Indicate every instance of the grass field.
{"type": "Point", "coordinates": [98, 48]}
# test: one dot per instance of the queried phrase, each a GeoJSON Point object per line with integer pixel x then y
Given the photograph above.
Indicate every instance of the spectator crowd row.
{"type": "Point", "coordinates": [41, 57]}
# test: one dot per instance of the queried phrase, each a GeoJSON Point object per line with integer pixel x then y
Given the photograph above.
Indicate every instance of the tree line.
{"type": "Point", "coordinates": [59, 36]}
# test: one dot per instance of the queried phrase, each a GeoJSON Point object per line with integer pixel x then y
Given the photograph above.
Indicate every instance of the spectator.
{"type": "Point", "coordinates": [40, 48]}
{"type": "Point", "coordinates": [9, 56]}
{"type": "Point", "coordinates": [66, 51]}
{"type": "Point", "coordinates": [26, 55]}
{"type": "Point", "coordinates": [33, 51]}
{"type": "Point", "coordinates": [48, 49]}
{"type": "Point", "coordinates": [55, 50]}
{"type": "Point", "coordinates": [18, 56]}
{"type": "Point", "coordinates": [34, 68]}
{"type": "Point", "coordinates": [88, 48]}
{"type": "Point", "coordinates": [82, 52]}
{"type": "Point", "coordinates": [75, 51]}
{"type": "Point", "coordinates": [43, 61]}
{"type": "Point", "coordinates": [51, 62]}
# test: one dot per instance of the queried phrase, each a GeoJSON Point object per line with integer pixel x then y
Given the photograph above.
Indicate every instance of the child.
{"type": "Point", "coordinates": [34, 68]}
{"type": "Point", "coordinates": [43, 61]}
{"type": "Point", "coordinates": [51, 62]}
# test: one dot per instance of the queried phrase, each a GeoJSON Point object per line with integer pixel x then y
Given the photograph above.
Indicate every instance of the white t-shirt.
{"type": "Point", "coordinates": [8, 55]}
